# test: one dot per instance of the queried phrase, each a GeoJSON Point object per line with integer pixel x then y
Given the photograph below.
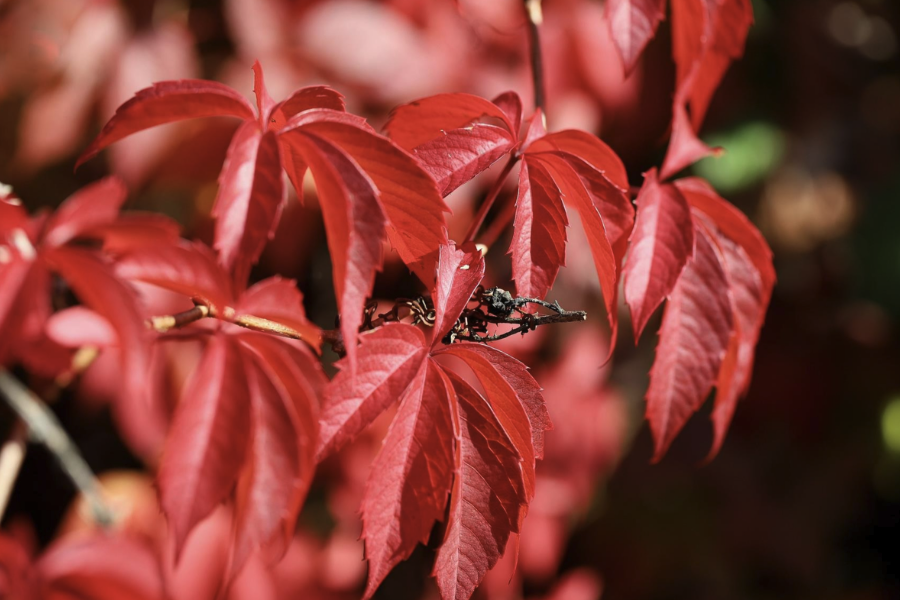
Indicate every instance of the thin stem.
{"type": "Point", "coordinates": [535, 18]}
{"type": "Point", "coordinates": [45, 429]}
{"type": "Point", "coordinates": [489, 201]}
{"type": "Point", "coordinates": [498, 225]}
{"type": "Point", "coordinates": [11, 456]}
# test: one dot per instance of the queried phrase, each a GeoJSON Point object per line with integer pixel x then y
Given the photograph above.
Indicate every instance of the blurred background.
{"type": "Point", "coordinates": [804, 499]}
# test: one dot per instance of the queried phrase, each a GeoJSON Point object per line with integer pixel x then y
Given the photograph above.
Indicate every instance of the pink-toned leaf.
{"type": "Point", "coordinates": [208, 441]}
{"type": "Point", "coordinates": [693, 340]}
{"type": "Point", "coordinates": [267, 484]}
{"type": "Point", "coordinates": [101, 568]}
{"type": "Point", "coordinates": [167, 102]}
{"type": "Point", "coordinates": [79, 326]}
{"type": "Point", "coordinates": [633, 23]}
{"type": "Point", "coordinates": [460, 271]}
{"type": "Point", "coordinates": [661, 244]}
{"type": "Point", "coordinates": [96, 285]}
{"type": "Point", "coordinates": [459, 155]}
{"type": "Point", "coordinates": [189, 268]}
{"type": "Point", "coordinates": [355, 224]}
{"type": "Point", "coordinates": [21, 282]}
{"type": "Point", "coordinates": [92, 206]}
{"type": "Point", "coordinates": [538, 245]}
{"type": "Point", "coordinates": [250, 199]}
{"type": "Point", "coordinates": [279, 300]}
{"type": "Point", "coordinates": [387, 360]}
{"type": "Point", "coordinates": [414, 208]}
{"type": "Point", "coordinates": [514, 396]}
{"type": "Point", "coordinates": [487, 498]}
{"type": "Point", "coordinates": [408, 485]}
{"type": "Point", "coordinates": [420, 121]}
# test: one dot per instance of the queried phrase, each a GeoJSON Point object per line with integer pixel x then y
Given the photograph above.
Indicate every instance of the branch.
{"type": "Point", "coordinates": [489, 201]}
{"type": "Point", "coordinates": [11, 456]}
{"type": "Point", "coordinates": [44, 428]}
{"type": "Point", "coordinates": [165, 323]}
{"type": "Point", "coordinates": [535, 18]}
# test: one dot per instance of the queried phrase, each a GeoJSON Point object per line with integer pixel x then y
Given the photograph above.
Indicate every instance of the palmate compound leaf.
{"type": "Point", "coordinates": [712, 319]}
{"type": "Point", "coordinates": [246, 424]}
{"type": "Point", "coordinates": [33, 248]}
{"type": "Point", "coordinates": [369, 188]}
{"type": "Point", "coordinates": [248, 418]}
{"type": "Point", "coordinates": [417, 466]}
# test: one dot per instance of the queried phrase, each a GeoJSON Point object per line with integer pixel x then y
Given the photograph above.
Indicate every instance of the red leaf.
{"type": "Point", "coordinates": [97, 286]}
{"type": "Point", "coordinates": [316, 96]}
{"type": "Point", "coordinates": [413, 124]}
{"type": "Point", "coordinates": [539, 232]}
{"type": "Point", "coordinates": [101, 568]}
{"type": "Point", "coordinates": [279, 300]}
{"type": "Point", "coordinates": [661, 244]}
{"type": "Point", "coordinates": [747, 261]}
{"type": "Point", "coordinates": [685, 148]}
{"type": "Point", "coordinates": [137, 230]}
{"type": "Point", "coordinates": [250, 199]}
{"type": "Point", "coordinates": [459, 155]}
{"type": "Point", "coordinates": [208, 440]}
{"type": "Point", "coordinates": [694, 337]}
{"type": "Point", "coordinates": [264, 102]}
{"type": "Point", "coordinates": [749, 303]}
{"type": "Point", "coordinates": [408, 195]}
{"type": "Point", "coordinates": [355, 223]}
{"type": "Point", "coordinates": [487, 497]}
{"type": "Point", "coordinates": [410, 478]}
{"type": "Point", "coordinates": [21, 283]}
{"type": "Point", "coordinates": [733, 224]}
{"type": "Point", "coordinates": [588, 148]}
{"type": "Point", "coordinates": [92, 206]}
{"type": "Point", "coordinates": [514, 396]}
{"type": "Point", "coordinates": [388, 359]}
{"type": "Point", "coordinates": [271, 474]}
{"type": "Point", "coordinates": [295, 370]}
{"type": "Point", "coordinates": [633, 23]}
{"type": "Point", "coordinates": [460, 271]}
{"type": "Point", "coordinates": [511, 104]}
{"type": "Point", "coordinates": [167, 102]}
{"type": "Point", "coordinates": [189, 268]}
